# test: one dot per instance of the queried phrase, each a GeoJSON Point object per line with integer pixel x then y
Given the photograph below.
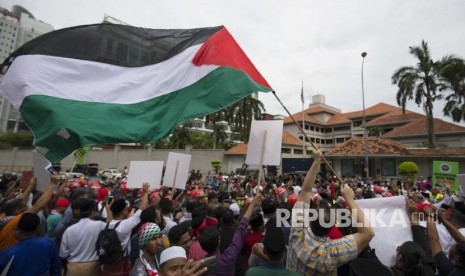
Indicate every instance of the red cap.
{"type": "Point", "coordinates": [292, 199]}
{"type": "Point", "coordinates": [62, 202]}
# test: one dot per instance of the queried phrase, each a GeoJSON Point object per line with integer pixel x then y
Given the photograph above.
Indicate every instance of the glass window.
{"type": "Point", "coordinates": [347, 167]}
{"type": "Point", "coordinates": [298, 151]}
{"type": "Point", "coordinates": [285, 150]}
{"type": "Point", "coordinates": [388, 167]}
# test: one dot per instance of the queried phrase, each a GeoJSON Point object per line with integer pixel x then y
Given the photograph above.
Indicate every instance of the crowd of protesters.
{"type": "Point", "coordinates": [223, 225]}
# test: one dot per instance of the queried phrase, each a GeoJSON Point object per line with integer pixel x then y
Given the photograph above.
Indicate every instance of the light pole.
{"type": "Point", "coordinates": [365, 134]}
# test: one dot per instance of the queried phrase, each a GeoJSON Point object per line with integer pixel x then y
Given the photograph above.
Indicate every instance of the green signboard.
{"type": "Point", "coordinates": [445, 174]}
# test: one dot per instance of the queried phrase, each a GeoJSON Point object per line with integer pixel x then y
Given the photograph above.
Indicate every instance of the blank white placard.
{"type": "Point", "coordinates": [144, 172]}
{"type": "Point", "coordinates": [274, 136]}
{"type": "Point", "coordinates": [183, 162]}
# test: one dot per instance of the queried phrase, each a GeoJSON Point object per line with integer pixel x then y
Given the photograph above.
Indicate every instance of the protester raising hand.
{"type": "Point", "coordinates": [347, 192]}
{"type": "Point", "coordinates": [193, 269]}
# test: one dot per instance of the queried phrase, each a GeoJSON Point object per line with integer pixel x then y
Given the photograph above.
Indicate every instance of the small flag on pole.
{"type": "Point", "coordinates": [302, 94]}
{"type": "Point", "coordinates": [80, 155]}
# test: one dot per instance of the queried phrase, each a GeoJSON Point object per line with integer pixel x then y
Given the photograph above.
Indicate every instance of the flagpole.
{"type": "Point", "coordinates": [305, 135]}
{"type": "Point", "coordinates": [303, 118]}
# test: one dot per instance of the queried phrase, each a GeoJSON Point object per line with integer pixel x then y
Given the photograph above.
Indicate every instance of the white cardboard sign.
{"type": "Point", "coordinates": [273, 130]}
{"type": "Point", "coordinates": [177, 170]}
{"type": "Point", "coordinates": [390, 223]}
{"type": "Point", "coordinates": [42, 175]}
{"type": "Point", "coordinates": [144, 172]}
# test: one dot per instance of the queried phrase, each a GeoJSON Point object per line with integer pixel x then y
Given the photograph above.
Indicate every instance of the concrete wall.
{"type": "Point", "coordinates": [19, 160]}
{"type": "Point", "coordinates": [425, 165]}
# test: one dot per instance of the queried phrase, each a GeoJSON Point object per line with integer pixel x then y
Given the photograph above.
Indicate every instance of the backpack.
{"type": "Point", "coordinates": [108, 246]}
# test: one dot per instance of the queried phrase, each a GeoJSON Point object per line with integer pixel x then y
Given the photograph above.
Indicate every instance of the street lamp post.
{"type": "Point", "coordinates": [365, 134]}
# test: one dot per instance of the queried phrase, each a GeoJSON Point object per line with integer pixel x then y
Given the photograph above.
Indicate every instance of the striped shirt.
{"type": "Point", "coordinates": [312, 255]}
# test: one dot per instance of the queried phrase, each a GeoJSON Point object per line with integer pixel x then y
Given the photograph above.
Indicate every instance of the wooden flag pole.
{"type": "Point", "coordinates": [306, 137]}
{"type": "Point", "coordinates": [175, 173]}
{"type": "Point", "coordinates": [262, 155]}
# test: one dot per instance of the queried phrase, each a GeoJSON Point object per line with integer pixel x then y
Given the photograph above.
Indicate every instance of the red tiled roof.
{"type": "Point", "coordinates": [291, 140]}
{"type": "Point", "coordinates": [380, 146]}
{"type": "Point", "coordinates": [338, 119]}
{"type": "Point", "coordinates": [418, 127]}
{"type": "Point", "coordinates": [377, 109]}
{"type": "Point", "coordinates": [237, 149]}
{"type": "Point", "coordinates": [440, 152]}
{"type": "Point", "coordinates": [341, 118]}
{"type": "Point", "coordinates": [376, 146]}
{"type": "Point", "coordinates": [319, 109]}
{"type": "Point", "coordinates": [288, 139]}
{"type": "Point", "coordinates": [298, 118]}
{"type": "Point", "coordinates": [394, 117]}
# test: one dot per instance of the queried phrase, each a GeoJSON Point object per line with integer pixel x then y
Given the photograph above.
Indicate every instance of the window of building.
{"type": "Point", "coordinates": [388, 167]}
{"type": "Point", "coordinates": [357, 123]}
{"type": "Point", "coordinates": [347, 167]}
{"type": "Point", "coordinates": [340, 140]}
{"type": "Point", "coordinates": [342, 128]}
{"type": "Point", "coordinates": [329, 141]}
{"type": "Point", "coordinates": [312, 128]}
{"type": "Point", "coordinates": [285, 150]}
{"type": "Point", "coordinates": [298, 151]}
{"type": "Point", "coordinates": [317, 129]}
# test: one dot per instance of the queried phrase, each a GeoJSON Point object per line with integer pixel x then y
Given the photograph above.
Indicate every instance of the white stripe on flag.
{"type": "Point", "coordinates": [91, 81]}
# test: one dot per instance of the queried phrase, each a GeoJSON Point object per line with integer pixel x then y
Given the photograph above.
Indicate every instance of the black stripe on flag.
{"type": "Point", "coordinates": [115, 44]}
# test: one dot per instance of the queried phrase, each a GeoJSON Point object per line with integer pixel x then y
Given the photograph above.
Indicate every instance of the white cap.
{"type": "Point", "coordinates": [172, 253]}
{"type": "Point", "coordinates": [235, 209]}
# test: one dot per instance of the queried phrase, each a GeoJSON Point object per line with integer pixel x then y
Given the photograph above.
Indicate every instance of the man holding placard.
{"type": "Point", "coordinates": [310, 250]}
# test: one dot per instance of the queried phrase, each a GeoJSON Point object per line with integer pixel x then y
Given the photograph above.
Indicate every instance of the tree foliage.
{"type": "Point", "coordinates": [421, 83]}
{"type": "Point", "coordinates": [408, 169]}
{"type": "Point", "coordinates": [453, 80]}
{"type": "Point", "coordinates": [216, 164]}
{"type": "Point", "coordinates": [21, 139]}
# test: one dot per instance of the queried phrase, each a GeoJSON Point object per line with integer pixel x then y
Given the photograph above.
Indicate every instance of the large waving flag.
{"type": "Point", "coordinates": [106, 83]}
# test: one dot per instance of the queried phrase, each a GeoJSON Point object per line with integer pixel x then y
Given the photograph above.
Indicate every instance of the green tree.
{"type": "Point", "coordinates": [242, 113]}
{"type": "Point", "coordinates": [21, 139]}
{"type": "Point", "coordinates": [408, 170]}
{"type": "Point", "coordinates": [216, 164]}
{"type": "Point", "coordinates": [180, 137]}
{"type": "Point", "coordinates": [201, 140]}
{"type": "Point", "coordinates": [421, 84]}
{"type": "Point", "coordinates": [376, 131]}
{"type": "Point", "coordinates": [453, 78]}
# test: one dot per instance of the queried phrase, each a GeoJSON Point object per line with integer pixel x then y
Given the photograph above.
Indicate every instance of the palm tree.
{"type": "Point", "coordinates": [453, 77]}
{"type": "Point", "coordinates": [421, 84]}
{"type": "Point", "coordinates": [242, 113]}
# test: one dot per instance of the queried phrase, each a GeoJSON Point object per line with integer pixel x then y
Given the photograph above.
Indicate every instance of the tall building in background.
{"type": "Point", "coordinates": [16, 28]}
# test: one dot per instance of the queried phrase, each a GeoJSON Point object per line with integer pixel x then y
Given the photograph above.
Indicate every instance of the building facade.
{"type": "Point", "coordinates": [16, 28]}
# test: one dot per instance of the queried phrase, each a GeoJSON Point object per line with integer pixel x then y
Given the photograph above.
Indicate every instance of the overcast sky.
{"type": "Point", "coordinates": [317, 42]}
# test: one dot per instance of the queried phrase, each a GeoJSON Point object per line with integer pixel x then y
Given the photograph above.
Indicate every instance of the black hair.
{"type": "Point", "coordinates": [190, 205]}
{"type": "Point", "coordinates": [325, 209]}
{"type": "Point", "coordinates": [212, 195]}
{"type": "Point", "coordinates": [211, 210]}
{"type": "Point", "coordinates": [166, 206]}
{"type": "Point", "coordinates": [227, 218]}
{"type": "Point", "coordinates": [176, 233]}
{"type": "Point", "coordinates": [460, 252]}
{"type": "Point", "coordinates": [209, 239]}
{"type": "Point", "coordinates": [268, 206]}
{"type": "Point", "coordinates": [12, 205]}
{"type": "Point", "coordinates": [413, 258]}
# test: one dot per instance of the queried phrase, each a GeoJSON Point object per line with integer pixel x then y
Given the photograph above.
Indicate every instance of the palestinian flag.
{"type": "Point", "coordinates": [106, 83]}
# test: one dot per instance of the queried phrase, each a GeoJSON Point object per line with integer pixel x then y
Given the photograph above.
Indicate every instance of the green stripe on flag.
{"type": "Point", "coordinates": [74, 124]}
